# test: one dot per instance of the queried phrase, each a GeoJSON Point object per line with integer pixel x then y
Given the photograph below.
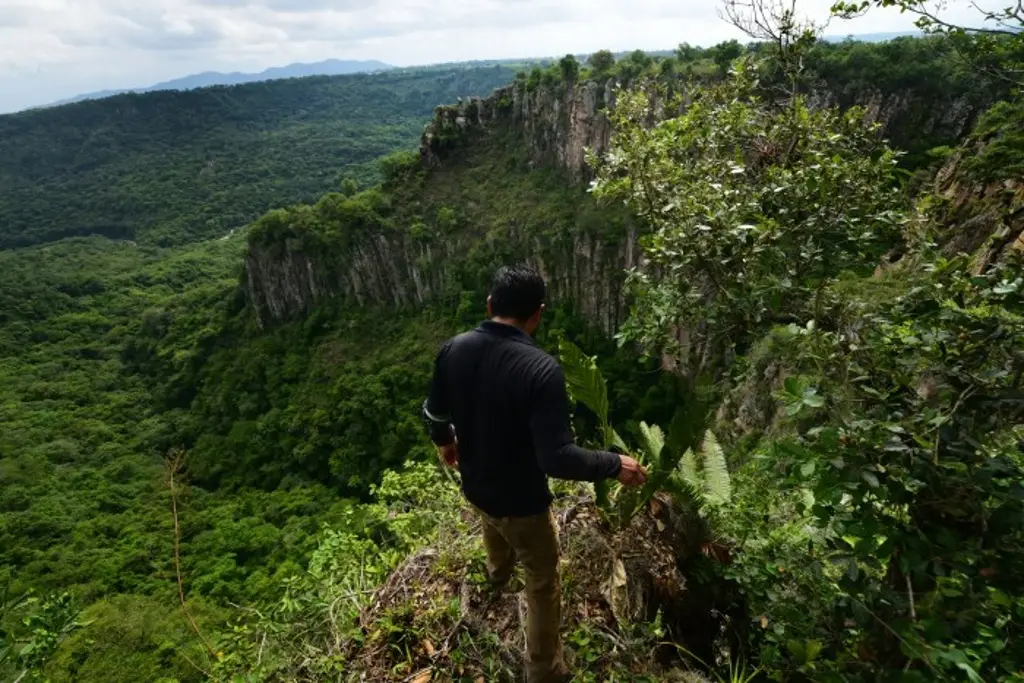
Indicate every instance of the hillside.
{"type": "Point", "coordinates": [174, 167]}
{"type": "Point", "coordinates": [867, 417]}
{"type": "Point", "coordinates": [328, 67]}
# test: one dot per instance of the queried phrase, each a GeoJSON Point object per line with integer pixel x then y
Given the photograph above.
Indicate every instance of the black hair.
{"type": "Point", "coordinates": [517, 292]}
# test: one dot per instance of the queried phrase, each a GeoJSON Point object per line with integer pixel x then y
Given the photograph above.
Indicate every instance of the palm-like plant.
{"type": "Point", "coordinates": [695, 474]}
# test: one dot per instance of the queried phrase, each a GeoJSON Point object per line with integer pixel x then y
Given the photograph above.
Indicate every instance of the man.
{"type": "Point", "coordinates": [498, 409]}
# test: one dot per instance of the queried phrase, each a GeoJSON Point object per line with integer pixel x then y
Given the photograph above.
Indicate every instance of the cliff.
{"type": "Point", "coordinates": [394, 269]}
{"type": "Point", "coordinates": [557, 124]}
{"type": "Point", "coordinates": [494, 161]}
{"type": "Point", "coordinates": [981, 210]}
{"type": "Point", "coordinates": [560, 123]}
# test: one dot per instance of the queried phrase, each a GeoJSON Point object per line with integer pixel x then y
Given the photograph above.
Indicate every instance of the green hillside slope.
{"type": "Point", "coordinates": [172, 167]}
{"type": "Point", "coordinates": [307, 477]}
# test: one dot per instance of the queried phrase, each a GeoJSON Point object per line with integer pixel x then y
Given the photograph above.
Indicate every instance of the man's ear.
{"type": "Point", "coordinates": [535, 318]}
{"type": "Point", "coordinates": [490, 314]}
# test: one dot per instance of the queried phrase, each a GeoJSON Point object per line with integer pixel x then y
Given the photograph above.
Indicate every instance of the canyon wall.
{"type": "Point", "coordinates": [553, 125]}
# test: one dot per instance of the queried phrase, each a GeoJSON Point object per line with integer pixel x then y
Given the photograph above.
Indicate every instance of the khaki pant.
{"type": "Point", "coordinates": [534, 542]}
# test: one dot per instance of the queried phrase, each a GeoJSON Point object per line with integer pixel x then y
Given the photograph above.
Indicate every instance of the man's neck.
{"type": "Point", "coordinates": [509, 321]}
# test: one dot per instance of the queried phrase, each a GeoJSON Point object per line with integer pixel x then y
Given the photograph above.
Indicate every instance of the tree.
{"type": "Point", "coordinates": [667, 68]}
{"type": "Point", "coordinates": [994, 45]}
{"type": "Point", "coordinates": [349, 186]}
{"type": "Point", "coordinates": [640, 58]}
{"type": "Point", "coordinates": [602, 62]}
{"type": "Point", "coordinates": [776, 23]}
{"type": "Point", "coordinates": [753, 209]}
{"type": "Point", "coordinates": [570, 68]}
{"type": "Point", "coordinates": [634, 65]}
{"type": "Point", "coordinates": [725, 53]}
{"type": "Point", "coordinates": [686, 53]}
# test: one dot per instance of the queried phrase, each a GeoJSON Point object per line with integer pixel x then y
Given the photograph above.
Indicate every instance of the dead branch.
{"type": "Point", "coordinates": [174, 462]}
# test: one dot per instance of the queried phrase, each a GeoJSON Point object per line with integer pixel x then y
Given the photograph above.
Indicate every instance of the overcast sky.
{"type": "Point", "coordinates": [53, 49]}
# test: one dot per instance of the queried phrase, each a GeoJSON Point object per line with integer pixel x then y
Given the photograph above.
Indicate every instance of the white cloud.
{"type": "Point", "coordinates": [51, 49]}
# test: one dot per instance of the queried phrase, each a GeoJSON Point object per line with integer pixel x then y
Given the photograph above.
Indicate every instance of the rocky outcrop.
{"type": "Point", "coordinates": [983, 217]}
{"type": "Point", "coordinates": [287, 280]}
{"type": "Point", "coordinates": [555, 124]}
{"type": "Point", "coordinates": [284, 281]}
{"type": "Point", "coordinates": [620, 577]}
{"type": "Point", "coordinates": [906, 117]}
{"type": "Point", "coordinates": [558, 124]}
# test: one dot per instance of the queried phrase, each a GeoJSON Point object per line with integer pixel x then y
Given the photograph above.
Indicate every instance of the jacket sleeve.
{"type": "Point", "coordinates": [436, 409]}
{"type": "Point", "coordinates": [553, 442]}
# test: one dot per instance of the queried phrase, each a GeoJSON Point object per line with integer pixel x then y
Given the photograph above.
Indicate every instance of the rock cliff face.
{"type": "Point", "coordinates": [583, 268]}
{"type": "Point", "coordinates": [558, 124]}
{"type": "Point", "coordinates": [982, 217]}
{"type": "Point", "coordinates": [554, 125]}
{"type": "Point", "coordinates": [285, 281]}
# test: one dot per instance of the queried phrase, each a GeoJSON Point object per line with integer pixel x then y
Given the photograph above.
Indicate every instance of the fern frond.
{"type": "Point", "coordinates": [613, 439]}
{"type": "Point", "coordinates": [686, 496]}
{"type": "Point", "coordinates": [586, 383]}
{"type": "Point", "coordinates": [688, 470]}
{"type": "Point", "coordinates": [717, 483]}
{"type": "Point", "coordinates": [654, 441]}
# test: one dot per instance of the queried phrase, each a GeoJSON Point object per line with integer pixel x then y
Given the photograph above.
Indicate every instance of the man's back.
{"type": "Point", "coordinates": [507, 401]}
{"type": "Point", "coordinates": [498, 408]}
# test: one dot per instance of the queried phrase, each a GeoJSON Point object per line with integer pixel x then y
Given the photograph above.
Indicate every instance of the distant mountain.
{"type": "Point", "coordinates": [330, 67]}
{"type": "Point", "coordinates": [873, 37]}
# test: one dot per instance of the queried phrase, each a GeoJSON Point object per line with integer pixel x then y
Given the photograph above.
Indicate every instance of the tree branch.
{"type": "Point", "coordinates": [921, 10]}
{"type": "Point", "coordinates": [174, 462]}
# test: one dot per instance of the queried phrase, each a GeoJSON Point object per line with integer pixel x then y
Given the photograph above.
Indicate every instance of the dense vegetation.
{"type": "Point", "coordinates": [869, 527]}
{"type": "Point", "coordinates": [172, 167]}
{"type": "Point", "coordinates": [907, 80]}
{"type": "Point", "coordinates": [126, 352]}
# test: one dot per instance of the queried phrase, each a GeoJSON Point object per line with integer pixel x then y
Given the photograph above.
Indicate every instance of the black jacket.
{"type": "Point", "coordinates": [506, 401]}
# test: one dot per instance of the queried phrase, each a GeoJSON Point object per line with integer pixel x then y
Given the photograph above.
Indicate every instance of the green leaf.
{"type": "Point", "coordinates": [812, 399]}
{"type": "Point", "coordinates": [615, 440]}
{"type": "Point", "coordinates": [688, 469]}
{"type": "Point", "coordinates": [972, 675]}
{"type": "Point", "coordinates": [654, 440]}
{"type": "Point", "coordinates": [717, 482]}
{"type": "Point", "coordinates": [807, 469]}
{"type": "Point", "coordinates": [793, 387]}
{"type": "Point", "coordinates": [585, 382]}
{"type": "Point", "coordinates": [870, 478]}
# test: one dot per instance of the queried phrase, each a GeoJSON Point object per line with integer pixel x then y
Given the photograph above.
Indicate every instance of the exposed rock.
{"type": "Point", "coordinates": [557, 124]}
{"type": "Point", "coordinates": [284, 281]}
{"type": "Point", "coordinates": [985, 219]}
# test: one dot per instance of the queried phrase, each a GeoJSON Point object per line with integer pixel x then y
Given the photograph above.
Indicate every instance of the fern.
{"type": "Point", "coordinates": [654, 441]}
{"type": "Point", "coordinates": [717, 483]}
{"type": "Point", "coordinates": [697, 480]}
{"type": "Point", "coordinates": [688, 469]}
{"type": "Point", "coordinates": [587, 385]}
{"type": "Point", "coordinates": [585, 381]}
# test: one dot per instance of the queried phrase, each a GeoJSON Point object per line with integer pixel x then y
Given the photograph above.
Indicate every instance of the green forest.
{"type": "Point", "coordinates": [172, 167]}
{"type": "Point", "coordinates": [819, 358]}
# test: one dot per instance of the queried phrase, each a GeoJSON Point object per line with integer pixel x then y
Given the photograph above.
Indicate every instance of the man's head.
{"type": "Point", "coordinates": [517, 296]}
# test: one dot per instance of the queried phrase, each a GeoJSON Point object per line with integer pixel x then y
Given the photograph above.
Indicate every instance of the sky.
{"type": "Point", "coordinates": [55, 49]}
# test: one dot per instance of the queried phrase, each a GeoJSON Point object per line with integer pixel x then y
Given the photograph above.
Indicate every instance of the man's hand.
{"type": "Point", "coordinates": [632, 472]}
{"type": "Point", "coordinates": [450, 454]}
